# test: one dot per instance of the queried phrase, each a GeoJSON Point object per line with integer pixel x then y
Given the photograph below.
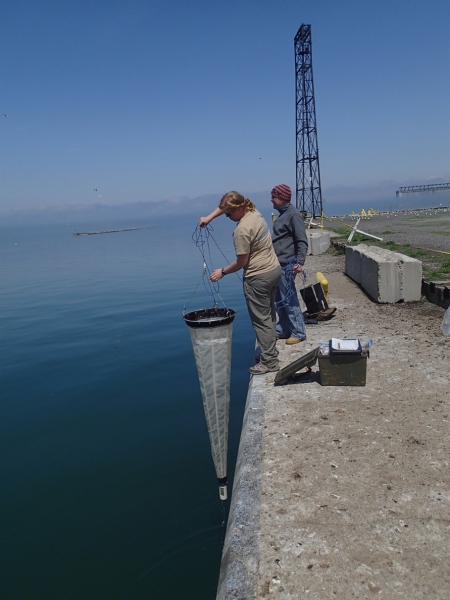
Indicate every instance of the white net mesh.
{"type": "Point", "coordinates": [212, 350]}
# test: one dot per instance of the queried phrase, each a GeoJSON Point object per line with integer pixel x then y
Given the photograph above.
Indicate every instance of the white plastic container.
{"type": "Point", "coordinates": [445, 325]}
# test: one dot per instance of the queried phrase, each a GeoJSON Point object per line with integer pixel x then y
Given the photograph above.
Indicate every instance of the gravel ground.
{"type": "Point", "coordinates": [428, 228]}
{"type": "Point", "coordinates": [355, 492]}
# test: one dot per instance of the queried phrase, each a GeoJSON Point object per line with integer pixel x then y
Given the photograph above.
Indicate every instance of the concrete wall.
{"type": "Point", "coordinates": [384, 275]}
{"type": "Point", "coordinates": [239, 568]}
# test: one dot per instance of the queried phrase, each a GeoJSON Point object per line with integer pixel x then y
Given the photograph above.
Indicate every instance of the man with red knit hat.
{"type": "Point", "coordinates": [291, 245]}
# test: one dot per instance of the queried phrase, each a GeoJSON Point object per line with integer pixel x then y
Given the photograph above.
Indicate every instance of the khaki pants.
{"type": "Point", "coordinates": [259, 291]}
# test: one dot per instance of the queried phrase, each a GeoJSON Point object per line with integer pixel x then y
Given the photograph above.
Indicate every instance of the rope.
{"type": "Point", "coordinates": [217, 245]}
{"type": "Point", "coordinates": [285, 301]}
{"type": "Point", "coordinates": [184, 308]}
{"type": "Point", "coordinates": [201, 237]}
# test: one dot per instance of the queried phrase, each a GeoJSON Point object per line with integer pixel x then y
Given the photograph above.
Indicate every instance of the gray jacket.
{"type": "Point", "coordinates": [289, 236]}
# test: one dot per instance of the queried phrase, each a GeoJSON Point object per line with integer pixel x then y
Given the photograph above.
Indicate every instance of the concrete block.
{"type": "Point", "coordinates": [410, 278]}
{"type": "Point", "coordinates": [380, 277]}
{"type": "Point", "coordinates": [318, 241]}
{"type": "Point", "coordinates": [353, 261]}
{"type": "Point", "coordinates": [386, 276]}
{"type": "Point", "coordinates": [409, 273]}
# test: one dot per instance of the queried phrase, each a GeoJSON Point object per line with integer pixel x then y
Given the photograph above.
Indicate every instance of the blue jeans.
{"type": "Point", "coordinates": [290, 317]}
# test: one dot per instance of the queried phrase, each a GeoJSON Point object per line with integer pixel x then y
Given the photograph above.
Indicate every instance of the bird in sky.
{"type": "Point", "coordinates": [95, 190]}
{"type": "Point", "coordinates": [6, 116]}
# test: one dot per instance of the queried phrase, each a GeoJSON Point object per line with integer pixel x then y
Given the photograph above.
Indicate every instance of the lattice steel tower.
{"type": "Point", "coordinates": [308, 190]}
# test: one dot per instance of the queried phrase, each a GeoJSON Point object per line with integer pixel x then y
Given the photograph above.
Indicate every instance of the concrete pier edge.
{"type": "Point", "coordinates": [239, 567]}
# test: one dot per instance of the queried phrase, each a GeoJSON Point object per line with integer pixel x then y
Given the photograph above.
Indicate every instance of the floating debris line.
{"type": "Point", "coordinates": [111, 231]}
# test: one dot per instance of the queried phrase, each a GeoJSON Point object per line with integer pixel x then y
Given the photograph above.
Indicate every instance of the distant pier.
{"type": "Point", "coordinates": [434, 187]}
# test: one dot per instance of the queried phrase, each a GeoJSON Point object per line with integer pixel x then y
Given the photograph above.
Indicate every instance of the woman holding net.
{"type": "Point", "coordinates": [262, 272]}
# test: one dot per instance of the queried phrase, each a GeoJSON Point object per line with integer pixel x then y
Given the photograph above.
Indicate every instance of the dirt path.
{"type": "Point", "coordinates": [355, 486]}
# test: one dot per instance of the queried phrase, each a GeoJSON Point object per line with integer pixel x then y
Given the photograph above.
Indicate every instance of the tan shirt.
{"type": "Point", "coordinates": [252, 237]}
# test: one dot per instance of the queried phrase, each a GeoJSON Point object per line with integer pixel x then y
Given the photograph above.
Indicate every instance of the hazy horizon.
{"type": "Point", "coordinates": [139, 212]}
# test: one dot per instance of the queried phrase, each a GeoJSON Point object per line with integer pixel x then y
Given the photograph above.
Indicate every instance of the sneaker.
{"type": "Point", "coordinates": [260, 369]}
{"type": "Point", "coordinates": [292, 340]}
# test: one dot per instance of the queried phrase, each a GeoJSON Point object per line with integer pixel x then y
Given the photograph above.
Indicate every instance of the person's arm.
{"type": "Point", "coordinates": [207, 220]}
{"type": "Point", "coordinates": [300, 241]}
{"type": "Point", "coordinates": [238, 264]}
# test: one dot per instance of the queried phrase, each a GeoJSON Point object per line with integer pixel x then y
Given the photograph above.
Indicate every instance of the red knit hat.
{"type": "Point", "coordinates": [282, 192]}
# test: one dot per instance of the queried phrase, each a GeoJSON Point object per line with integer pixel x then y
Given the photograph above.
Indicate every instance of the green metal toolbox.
{"type": "Point", "coordinates": [343, 369]}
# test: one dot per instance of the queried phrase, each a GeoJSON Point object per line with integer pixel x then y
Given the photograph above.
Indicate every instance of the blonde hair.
{"type": "Point", "coordinates": [232, 200]}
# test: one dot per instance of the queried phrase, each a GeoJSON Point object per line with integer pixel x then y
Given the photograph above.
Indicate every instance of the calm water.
{"type": "Point", "coordinates": [108, 485]}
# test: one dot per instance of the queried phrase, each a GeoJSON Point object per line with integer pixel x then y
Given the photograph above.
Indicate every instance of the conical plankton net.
{"type": "Point", "coordinates": [211, 331]}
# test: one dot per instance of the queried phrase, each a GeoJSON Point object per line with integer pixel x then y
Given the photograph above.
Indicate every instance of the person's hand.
{"type": "Point", "coordinates": [216, 275]}
{"type": "Point", "coordinates": [297, 269]}
{"type": "Point", "coordinates": [204, 221]}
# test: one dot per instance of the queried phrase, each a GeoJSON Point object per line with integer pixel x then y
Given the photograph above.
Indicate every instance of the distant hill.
{"type": "Point", "coordinates": [133, 212]}
{"type": "Point", "coordinates": [102, 216]}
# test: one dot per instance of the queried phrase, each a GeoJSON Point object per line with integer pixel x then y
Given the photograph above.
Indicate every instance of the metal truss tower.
{"type": "Point", "coordinates": [308, 190]}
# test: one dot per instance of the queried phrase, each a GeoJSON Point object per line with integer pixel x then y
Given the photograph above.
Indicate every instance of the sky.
{"type": "Point", "coordinates": [118, 102]}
